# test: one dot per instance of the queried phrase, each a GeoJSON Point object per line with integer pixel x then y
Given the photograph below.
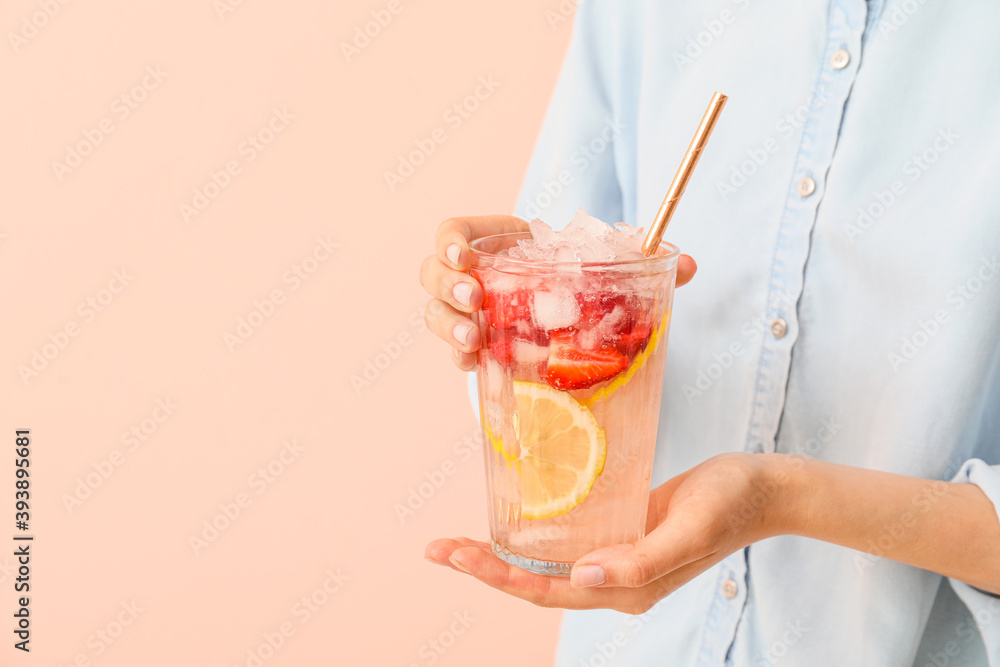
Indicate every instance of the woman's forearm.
{"type": "Point", "coordinates": [944, 527]}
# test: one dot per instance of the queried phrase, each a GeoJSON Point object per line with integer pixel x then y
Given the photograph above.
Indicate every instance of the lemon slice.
{"type": "Point", "coordinates": [497, 442]}
{"type": "Point", "coordinates": [654, 342]}
{"type": "Point", "coordinates": [562, 450]}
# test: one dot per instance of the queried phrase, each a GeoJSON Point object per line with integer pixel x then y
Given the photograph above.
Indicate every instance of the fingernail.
{"type": "Point", "coordinates": [457, 563]}
{"type": "Point", "coordinates": [436, 562]}
{"type": "Point", "coordinates": [461, 332]}
{"type": "Point", "coordinates": [585, 576]}
{"type": "Point", "coordinates": [453, 252]}
{"type": "Point", "coordinates": [462, 293]}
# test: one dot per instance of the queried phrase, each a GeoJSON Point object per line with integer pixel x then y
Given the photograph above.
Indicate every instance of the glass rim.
{"type": "Point", "coordinates": [672, 253]}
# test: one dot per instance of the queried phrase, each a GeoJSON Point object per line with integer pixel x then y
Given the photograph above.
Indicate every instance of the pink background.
{"type": "Point", "coordinates": [114, 515]}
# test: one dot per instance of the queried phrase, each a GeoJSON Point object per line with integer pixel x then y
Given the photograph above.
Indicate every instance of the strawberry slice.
{"type": "Point", "coordinates": [633, 341]}
{"type": "Point", "coordinates": [571, 368]}
{"type": "Point", "coordinates": [502, 349]}
{"type": "Point", "coordinates": [504, 310]}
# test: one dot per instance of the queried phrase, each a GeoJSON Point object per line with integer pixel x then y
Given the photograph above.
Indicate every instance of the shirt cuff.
{"type": "Point", "coordinates": [983, 607]}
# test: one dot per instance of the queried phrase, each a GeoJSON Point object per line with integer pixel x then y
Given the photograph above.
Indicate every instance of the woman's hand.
{"type": "Point", "coordinates": [695, 520]}
{"type": "Point", "coordinates": [456, 295]}
{"type": "Point", "coordinates": [732, 500]}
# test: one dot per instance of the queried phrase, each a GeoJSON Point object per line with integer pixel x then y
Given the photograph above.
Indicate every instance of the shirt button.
{"type": "Point", "coordinates": [807, 186]}
{"type": "Point", "coordinates": [729, 589]}
{"type": "Point", "coordinates": [779, 328]}
{"type": "Point", "coordinates": [840, 58]}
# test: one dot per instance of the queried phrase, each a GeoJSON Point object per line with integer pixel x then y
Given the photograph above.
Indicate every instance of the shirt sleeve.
{"type": "Point", "coordinates": [573, 164]}
{"type": "Point", "coordinates": [983, 607]}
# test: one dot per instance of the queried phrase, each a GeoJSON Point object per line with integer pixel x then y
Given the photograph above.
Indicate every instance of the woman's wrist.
{"type": "Point", "coordinates": [788, 487]}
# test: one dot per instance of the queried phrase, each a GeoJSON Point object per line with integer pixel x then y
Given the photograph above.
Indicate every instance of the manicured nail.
{"type": "Point", "coordinates": [453, 252]}
{"type": "Point", "coordinates": [461, 332]}
{"type": "Point", "coordinates": [462, 293]}
{"type": "Point", "coordinates": [585, 576]}
{"type": "Point", "coordinates": [436, 562]}
{"type": "Point", "coordinates": [457, 563]}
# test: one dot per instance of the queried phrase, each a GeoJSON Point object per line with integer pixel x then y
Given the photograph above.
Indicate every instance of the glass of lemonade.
{"type": "Point", "coordinates": [570, 376]}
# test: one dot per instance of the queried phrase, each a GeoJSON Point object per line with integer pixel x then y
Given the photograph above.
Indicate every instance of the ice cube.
{"type": "Point", "coordinates": [526, 352]}
{"type": "Point", "coordinates": [564, 252]}
{"type": "Point", "coordinates": [496, 380]}
{"type": "Point", "coordinates": [606, 330]}
{"type": "Point", "coordinates": [594, 250]}
{"type": "Point", "coordinates": [555, 308]}
{"type": "Point", "coordinates": [588, 224]}
{"type": "Point", "coordinates": [500, 282]}
{"type": "Point", "coordinates": [626, 228]}
{"type": "Point", "coordinates": [541, 232]}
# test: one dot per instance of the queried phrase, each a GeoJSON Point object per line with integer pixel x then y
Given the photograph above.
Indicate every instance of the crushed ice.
{"type": "Point", "coordinates": [584, 239]}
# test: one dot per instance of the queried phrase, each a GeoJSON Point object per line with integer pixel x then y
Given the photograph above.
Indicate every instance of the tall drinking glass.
{"type": "Point", "coordinates": [570, 377]}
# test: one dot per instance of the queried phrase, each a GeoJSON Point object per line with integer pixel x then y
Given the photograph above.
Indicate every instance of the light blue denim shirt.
{"type": "Point", "coordinates": [846, 223]}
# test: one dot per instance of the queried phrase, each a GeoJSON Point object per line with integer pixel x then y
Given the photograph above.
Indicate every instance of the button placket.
{"type": "Point", "coordinates": [837, 70]}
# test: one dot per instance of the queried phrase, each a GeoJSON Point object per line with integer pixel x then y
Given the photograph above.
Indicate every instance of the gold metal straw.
{"type": "Point", "coordinates": [683, 174]}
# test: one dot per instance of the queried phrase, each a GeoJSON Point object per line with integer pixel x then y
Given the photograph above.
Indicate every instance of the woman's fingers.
{"type": "Point", "coordinates": [454, 234]}
{"type": "Point", "coordinates": [544, 591]}
{"type": "Point", "coordinates": [465, 361]}
{"type": "Point", "coordinates": [451, 326]}
{"type": "Point", "coordinates": [477, 560]}
{"type": "Point", "coordinates": [686, 268]}
{"type": "Point", "coordinates": [455, 287]}
{"type": "Point", "coordinates": [677, 542]}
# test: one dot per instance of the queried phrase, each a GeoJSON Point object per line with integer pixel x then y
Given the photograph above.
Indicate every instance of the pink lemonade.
{"type": "Point", "coordinates": [570, 377]}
